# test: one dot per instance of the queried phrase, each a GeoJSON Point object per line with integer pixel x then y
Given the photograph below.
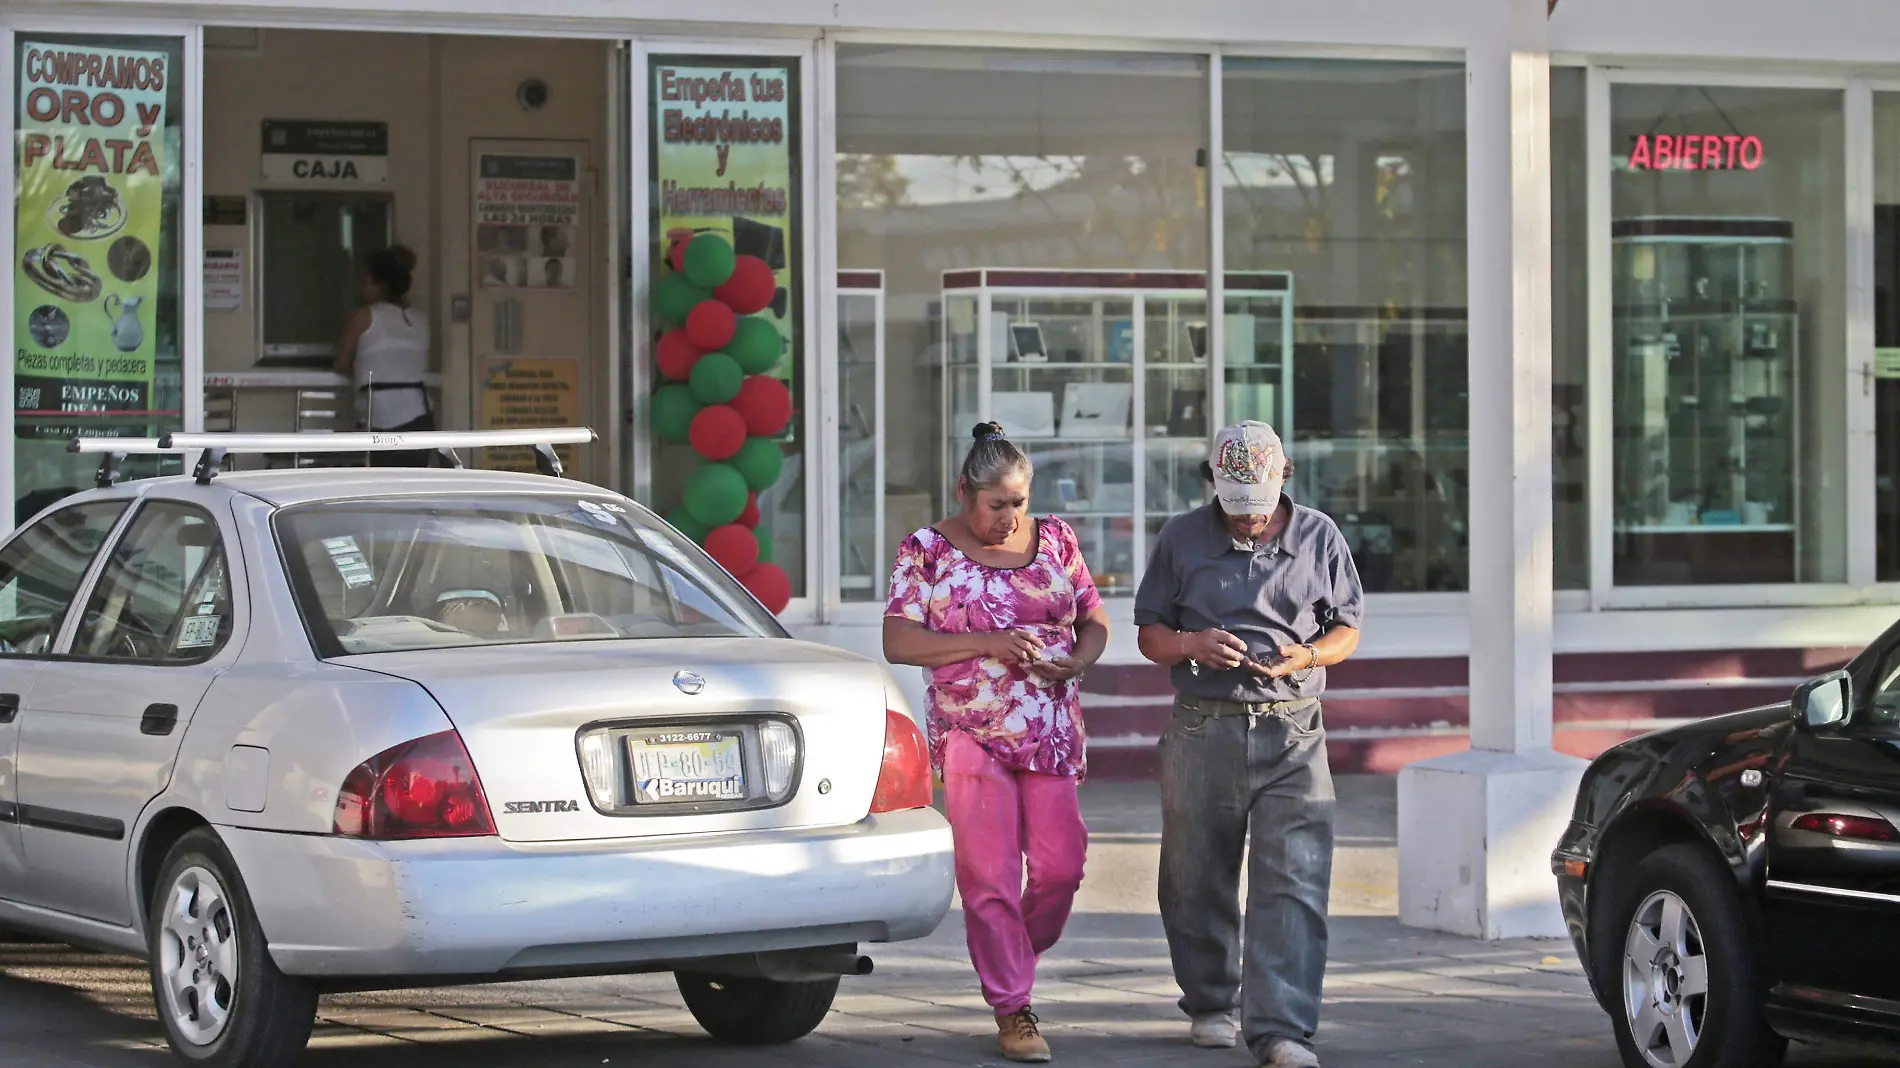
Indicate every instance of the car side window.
{"type": "Point", "coordinates": [164, 596]}
{"type": "Point", "coordinates": [40, 573]}
{"type": "Point", "coordinates": [1882, 707]}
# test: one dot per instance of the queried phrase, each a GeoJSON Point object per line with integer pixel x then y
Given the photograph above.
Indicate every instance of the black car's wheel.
{"type": "Point", "coordinates": [222, 1000]}
{"type": "Point", "coordinates": [756, 1012]}
{"type": "Point", "coordinates": [1676, 954]}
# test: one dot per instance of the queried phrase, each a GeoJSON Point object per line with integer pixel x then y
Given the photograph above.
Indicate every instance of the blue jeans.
{"type": "Point", "coordinates": [1230, 784]}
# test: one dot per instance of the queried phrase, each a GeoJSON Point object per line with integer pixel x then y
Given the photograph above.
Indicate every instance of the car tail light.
{"type": "Point", "coordinates": [779, 745]}
{"type": "Point", "coordinates": [1836, 825]}
{"type": "Point", "coordinates": [421, 789]}
{"type": "Point", "coordinates": [903, 781]}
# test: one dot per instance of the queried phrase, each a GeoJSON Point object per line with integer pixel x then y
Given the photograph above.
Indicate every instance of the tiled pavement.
{"type": "Point", "coordinates": [1394, 996]}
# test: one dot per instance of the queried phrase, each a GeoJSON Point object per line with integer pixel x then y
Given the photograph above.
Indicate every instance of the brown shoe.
{"type": "Point", "coordinates": [1020, 1039]}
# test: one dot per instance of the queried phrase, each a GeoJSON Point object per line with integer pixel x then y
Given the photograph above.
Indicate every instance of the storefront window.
{"type": "Point", "coordinates": [1035, 225]}
{"type": "Point", "coordinates": [1348, 178]}
{"type": "Point", "coordinates": [1886, 386]}
{"type": "Point", "coordinates": [725, 142]}
{"type": "Point", "coordinates": [1569, 330]}
{"type": "Point", "coordinates": [97, 345]}
{"type": "Point", "coordinates": [1727, 275]}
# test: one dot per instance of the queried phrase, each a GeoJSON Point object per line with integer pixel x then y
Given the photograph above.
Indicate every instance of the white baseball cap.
{"type": "Point", "coordinates": [1249, 466]}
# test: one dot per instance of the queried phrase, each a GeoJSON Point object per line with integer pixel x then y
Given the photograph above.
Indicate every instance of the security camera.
{"type": "Point", "coordinates": [532, 94]}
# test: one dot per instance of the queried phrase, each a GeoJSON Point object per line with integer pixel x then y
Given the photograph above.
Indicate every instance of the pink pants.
{"type": "Point", "coordinates": [1000, 817]}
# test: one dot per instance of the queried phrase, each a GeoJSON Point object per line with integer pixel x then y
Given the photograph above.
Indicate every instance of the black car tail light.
{"type": "Point", "coordinates": [1838, 825]}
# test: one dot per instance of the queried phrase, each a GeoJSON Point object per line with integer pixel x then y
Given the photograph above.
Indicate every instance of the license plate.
{"type": "Point", "coordinates": [686, 767]}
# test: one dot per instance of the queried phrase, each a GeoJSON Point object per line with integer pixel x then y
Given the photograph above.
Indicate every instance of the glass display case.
{"type": "Point", "coordinates": [1103, 378]}
{"type": "Point", "coordinates": [1706, 420]}
{"type": "Point", "coordinates": [861, 548]}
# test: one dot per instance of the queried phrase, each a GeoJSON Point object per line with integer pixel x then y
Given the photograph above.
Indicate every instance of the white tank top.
{"type": "Point", "coordinates": [392, 353]}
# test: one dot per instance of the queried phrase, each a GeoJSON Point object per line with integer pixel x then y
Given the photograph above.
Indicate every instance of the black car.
{"type": "Point", "coordinates": [1735, 883]}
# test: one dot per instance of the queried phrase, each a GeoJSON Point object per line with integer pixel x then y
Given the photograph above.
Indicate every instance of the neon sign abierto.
{"type": "Point", "coordinates": [1695, 152]}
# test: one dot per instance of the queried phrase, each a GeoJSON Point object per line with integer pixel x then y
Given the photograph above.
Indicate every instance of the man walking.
{"type": "Point", "coordinates": [1247, 599]}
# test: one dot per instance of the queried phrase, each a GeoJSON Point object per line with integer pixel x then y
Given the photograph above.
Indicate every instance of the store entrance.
{"type": "Point", "coordinates": [476, 155]}
{"type": "Point", "coordinates": [1887, 391]}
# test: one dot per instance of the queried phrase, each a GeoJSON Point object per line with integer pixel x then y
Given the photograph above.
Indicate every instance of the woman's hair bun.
{"type": "Point", "coordinates": [404, 256]}
{"type": "Point", "coordinates": [981, 431]}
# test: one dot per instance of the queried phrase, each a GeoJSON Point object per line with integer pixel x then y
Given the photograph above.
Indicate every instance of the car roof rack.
{"type": "Point", "coordinates": [215, 447]}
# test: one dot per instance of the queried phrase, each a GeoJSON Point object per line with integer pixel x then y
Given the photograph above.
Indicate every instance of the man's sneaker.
{"type": "Point", "coordinates": [1286, 1053]}
{"type": "Point", "coordinates": [1215, 1030]}
{"type": "Point", "coordinates": [1019, 1038]}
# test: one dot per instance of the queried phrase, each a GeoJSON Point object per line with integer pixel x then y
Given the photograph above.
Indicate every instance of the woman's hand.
{"type": "Point", "coordinates": [1058, 669]}
{"type": "Point", "coordinates": [1214, 648]}
{"type": "Point", "coordinates": [1293, 660]}
{"type": "Point", "coordinates": [1017, 646]}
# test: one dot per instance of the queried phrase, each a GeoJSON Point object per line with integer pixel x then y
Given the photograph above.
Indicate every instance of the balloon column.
{"type": "Point", "coordinates": [719, 398]}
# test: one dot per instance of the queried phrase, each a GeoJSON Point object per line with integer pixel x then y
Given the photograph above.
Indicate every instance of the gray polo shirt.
{"type": "Point", "coordinates": [1285, 592]}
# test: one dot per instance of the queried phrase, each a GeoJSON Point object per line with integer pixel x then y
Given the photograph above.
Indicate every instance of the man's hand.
{"type": "Point", "coordinates": [1214, 648]}
{"type": "Point", "coordinates": [1293, 660]}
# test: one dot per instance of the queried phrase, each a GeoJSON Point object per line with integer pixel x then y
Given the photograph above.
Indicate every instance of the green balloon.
{"type": "Point", "coordinates": [765, 544]}
{"type": "Point", "coordinates": [683, 521]}
{"type": "Point", "coordinates": [760, 460]}
{"type": "Point", "coordinates": [674, 297]}
{"type": "Point", "coordinates": [716, 378]}
{"type": "Point", "coordinates": [709, 260]}
{"type": "Point", "coordinates": [755, 344]}
{"type": "Point", "coordinates": [673, 411]}
{"type": "Point", "coordinates": [715, 494]}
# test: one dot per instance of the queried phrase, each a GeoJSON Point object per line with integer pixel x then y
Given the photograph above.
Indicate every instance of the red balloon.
{"type": "Point", "coordinates": [750, 288]}
{"type": "Point", "coordinates": [716, 432]}
{"type": "Point", "coordinates": [676, 355]}
{"type": "Point", "coordinates": [765, 403]}
{"type": "Point", "coordinates": [676, 256]}
{"type": "Point", "coordinates": [735, 548]}
{"type": "Point", "coordinates": [749, 518]}
{"type": "Point", "coordinates": [771, 585]}
{"type": "Point", "coordinates": [710, 324]}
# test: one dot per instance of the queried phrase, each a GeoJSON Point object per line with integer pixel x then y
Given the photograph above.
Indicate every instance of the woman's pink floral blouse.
{"type": "Point", "coordinates": [1025, 721]}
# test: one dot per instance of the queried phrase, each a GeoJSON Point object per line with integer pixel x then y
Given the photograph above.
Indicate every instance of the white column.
{"type": "Point", "coordinates": [1476, 828]}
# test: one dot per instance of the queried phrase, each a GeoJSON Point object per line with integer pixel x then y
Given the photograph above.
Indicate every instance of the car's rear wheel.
{"type": "Point", "coordinates": [1677, 952]}
{"type": "Point", "coordinates": [221, 999]}
{"type": "Point", "coordinates": [756, 1012]}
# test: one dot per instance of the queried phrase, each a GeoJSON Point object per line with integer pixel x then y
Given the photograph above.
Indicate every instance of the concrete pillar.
{"type": "Point", "coordinates": [1476, 828]}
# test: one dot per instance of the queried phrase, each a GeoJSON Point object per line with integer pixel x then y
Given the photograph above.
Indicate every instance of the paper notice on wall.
{"type": "Point", "coordinates": [527, 211]}
{"type": "Point", "coordinates": [533, 393]}
{"type": "Point", "coordinates": [224, 279]}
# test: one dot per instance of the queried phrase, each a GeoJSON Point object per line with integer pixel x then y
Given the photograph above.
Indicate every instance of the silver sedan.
{"type": "Point", "coordinates": [283, 732]}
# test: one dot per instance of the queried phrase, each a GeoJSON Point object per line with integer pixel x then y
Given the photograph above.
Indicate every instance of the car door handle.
{"type": "Point", "coordinates": [9, 707]}
{"type": "Point", "coordinates": [158, 719]}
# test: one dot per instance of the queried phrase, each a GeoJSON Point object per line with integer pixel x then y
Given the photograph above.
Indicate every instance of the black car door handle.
{"type": "Point", "coordinates": [9, 707]}
{"type": "Point", "coordinates": [158, 719]}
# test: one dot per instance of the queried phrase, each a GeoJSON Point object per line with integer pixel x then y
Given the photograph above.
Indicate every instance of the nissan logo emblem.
{"type": "Point", "coordinates": [688, 682]}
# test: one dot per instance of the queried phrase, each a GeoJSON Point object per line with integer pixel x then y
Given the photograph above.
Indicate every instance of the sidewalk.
{"type": "Point", "coordinates": [1394, 996]}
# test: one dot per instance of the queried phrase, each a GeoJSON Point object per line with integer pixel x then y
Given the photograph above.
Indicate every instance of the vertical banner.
{"type": "Point", "coordinates": [725, 163]}
{"type": "Point", "coordinates": [90, 205]}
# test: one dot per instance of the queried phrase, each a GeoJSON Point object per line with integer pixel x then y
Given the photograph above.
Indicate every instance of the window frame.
{"type": "Point", "coordinates": [69, 632]}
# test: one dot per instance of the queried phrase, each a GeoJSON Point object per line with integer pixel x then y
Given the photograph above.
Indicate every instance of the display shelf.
{"type": "Point", "coordinates": [1105, 379]}
{"type": "Point", "coordinates": [863, 540]}
{"type": "Point", "coordinates": [1705, 336]}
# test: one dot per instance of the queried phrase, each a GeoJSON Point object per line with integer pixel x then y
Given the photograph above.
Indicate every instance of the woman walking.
{"type": "Point", "coordinates": [385, 351]}
{"type": "Point", "coordinates": [1002, 611]}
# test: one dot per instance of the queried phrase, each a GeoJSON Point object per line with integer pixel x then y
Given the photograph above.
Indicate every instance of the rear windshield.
{"type": "Point", "coordinates": [389, 576]}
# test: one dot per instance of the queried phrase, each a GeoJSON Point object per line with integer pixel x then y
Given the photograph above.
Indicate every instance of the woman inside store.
{"type": "Point", "coordinates": [385, 351]}
{"type": "Point", "coordinates": [1002, 612]}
